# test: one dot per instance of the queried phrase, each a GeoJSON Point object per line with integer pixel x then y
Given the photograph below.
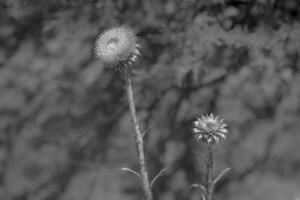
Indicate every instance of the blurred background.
{"type": "Point", "coordinates": [65, 128]}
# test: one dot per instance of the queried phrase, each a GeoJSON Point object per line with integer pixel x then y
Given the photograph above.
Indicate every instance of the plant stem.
{"type": "Point", "coordinates": [138, 137]}
{"type": "Point", "coordinates": [209, 171]}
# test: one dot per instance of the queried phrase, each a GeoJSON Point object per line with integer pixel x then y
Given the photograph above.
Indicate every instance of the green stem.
{"type": "Point", "coordinates": [209, 173]}
{"type": "Point", "coordinates": [138, 137]}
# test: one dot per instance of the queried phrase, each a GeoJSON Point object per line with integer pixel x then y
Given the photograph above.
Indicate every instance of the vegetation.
{"type": "Point", "coordinates": [64, 120]}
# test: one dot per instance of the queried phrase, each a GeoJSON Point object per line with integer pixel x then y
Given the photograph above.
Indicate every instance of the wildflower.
{"type": "Point", "coordinates": [209, 129]}
{"type": "Point", "coordinates": [117, 47]}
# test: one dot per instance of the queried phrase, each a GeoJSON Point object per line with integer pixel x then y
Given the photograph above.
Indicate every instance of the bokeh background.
{"type": "Point", "coordinates": [65, 129]}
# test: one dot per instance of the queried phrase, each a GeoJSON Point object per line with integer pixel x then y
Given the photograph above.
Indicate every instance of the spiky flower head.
{"type": "Point", "coordinates": [117, 47]}
{"type": "Point", "coordinates": [209, 129]}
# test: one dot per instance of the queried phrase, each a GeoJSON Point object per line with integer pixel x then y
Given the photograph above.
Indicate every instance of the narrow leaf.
{"type": "Point", "coordinates": [221, 175]}
{"type": "Point", "coordinates": [201, 187]}
{"type": "Point", "coordinates": [131, 171]}
{"type": "Point", "coordinates": [157, 176]}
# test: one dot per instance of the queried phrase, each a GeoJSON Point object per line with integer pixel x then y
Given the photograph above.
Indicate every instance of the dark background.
{"type": "Point", "coordinates": [65, 129]}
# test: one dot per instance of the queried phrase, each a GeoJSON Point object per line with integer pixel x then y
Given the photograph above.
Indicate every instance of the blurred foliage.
{"type": "Point", "coordinates": [64, 121]}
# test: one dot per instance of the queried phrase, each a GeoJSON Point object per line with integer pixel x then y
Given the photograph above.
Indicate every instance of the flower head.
{"type": "Point", "coordinates": [117, 47]}
{"type": "Point", "coordinates": [209, 129]}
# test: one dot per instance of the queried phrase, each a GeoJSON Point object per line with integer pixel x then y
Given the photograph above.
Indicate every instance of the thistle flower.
{"type": "Point", "coordinates": [117, 47]}
{"type": "Point", "coordinates": [209, 129]}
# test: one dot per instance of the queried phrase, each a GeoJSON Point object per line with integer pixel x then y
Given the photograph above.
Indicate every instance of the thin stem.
{"type": "Point", "coordinates": [138, 137]}
{"type": "Point", "coordinates": [209, 173]}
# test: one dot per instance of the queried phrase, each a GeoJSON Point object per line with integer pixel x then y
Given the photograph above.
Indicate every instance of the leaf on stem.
{"type": "Point", "coordinates": [146, 131]}
{"type": "Point", "coordinates": [201, 187]}
{"type": "Point", "coordinates": [131, 171]}
{"type": "Point", "coordinates": [221, 175]}
{"type": "Point", "coordinates": [157, 176]}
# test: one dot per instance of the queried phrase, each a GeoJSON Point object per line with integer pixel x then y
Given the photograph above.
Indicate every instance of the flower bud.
{"type": "Point", "coordinates": [209, 129]}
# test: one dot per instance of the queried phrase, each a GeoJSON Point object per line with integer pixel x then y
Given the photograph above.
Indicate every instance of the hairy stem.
{"type": "Point", "coordinates": [138, 137]}
{"type": "Point", "coordinates": [209, 173]}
